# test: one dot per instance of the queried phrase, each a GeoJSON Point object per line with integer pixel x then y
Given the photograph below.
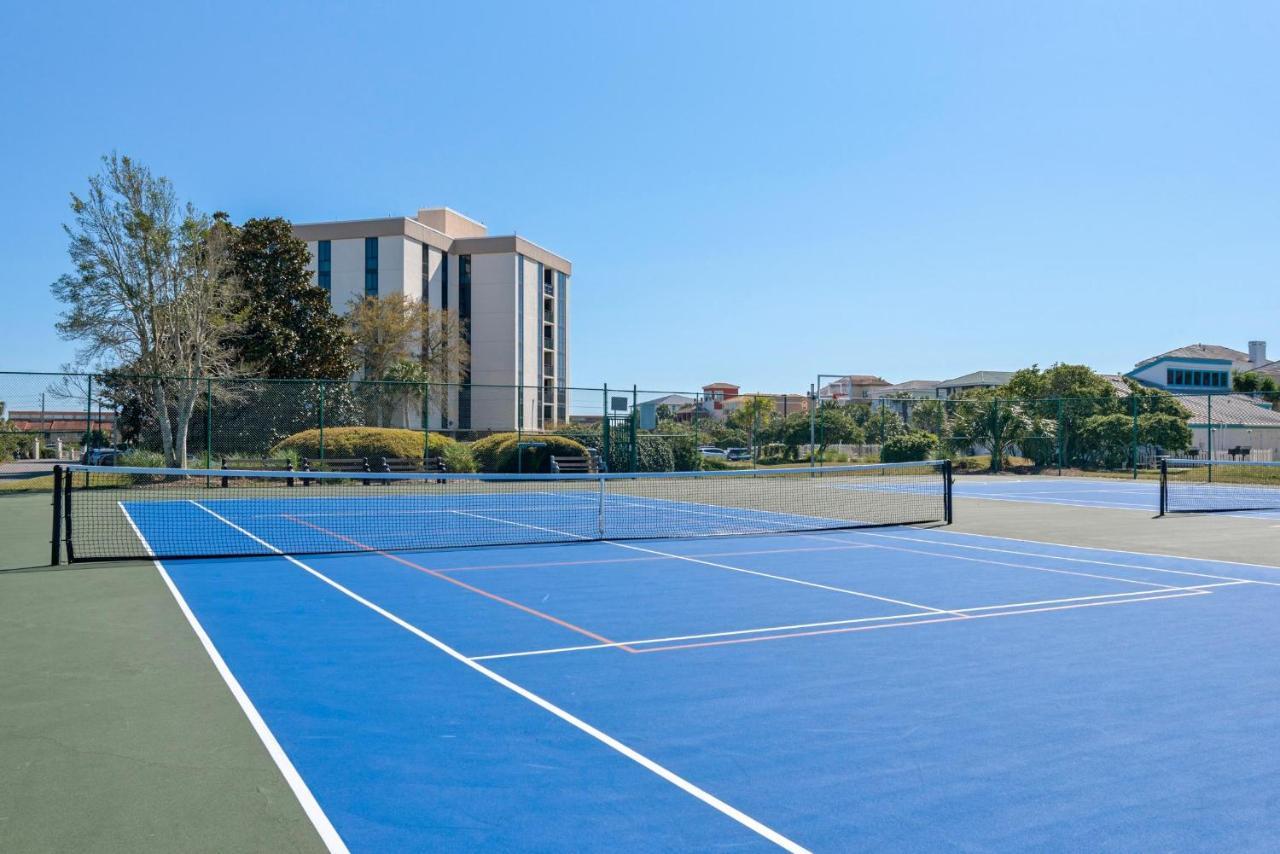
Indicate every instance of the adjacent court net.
{"type": "Point", "coordinates": [1203, 486]}
{"type": "Point", "coordinates": [106, 513]}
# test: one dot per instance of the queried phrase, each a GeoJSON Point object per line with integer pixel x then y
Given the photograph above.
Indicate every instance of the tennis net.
{"type": "Point", "coordinates": [1204, 486]}
{"type": "Point", "coordinates": [108, 513]}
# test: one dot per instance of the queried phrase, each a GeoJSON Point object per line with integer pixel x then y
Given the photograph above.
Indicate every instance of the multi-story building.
{"type": "Point", "coordinates": [511, 295]}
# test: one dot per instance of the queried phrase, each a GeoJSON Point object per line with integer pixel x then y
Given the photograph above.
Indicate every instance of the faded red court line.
{"type": "Point", "coordinates": [1155, 595]}
{"type": "Point", "coordinates": [464, 585]}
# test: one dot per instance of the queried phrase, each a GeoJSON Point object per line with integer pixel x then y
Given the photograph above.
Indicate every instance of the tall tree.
{"type": "Point", "coordinates": [287, 328]}
{"type": "Point", "coordinates": [152, 288]}
{"type": "Point", "coordinates": [389, 330]}
{"type": "Point", "coordinates": [753, 417]}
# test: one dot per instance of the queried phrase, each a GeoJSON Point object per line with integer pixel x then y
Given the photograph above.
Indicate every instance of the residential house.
{"type": "Point", "coordinates": [1198, 367]}
{"type": "Point", "coordinates": [852, 387]}
{"type": "Point", "coordinates": [1234, 426]}
{"type": "Point", "coordinates": [968, 382]}
{"type": "Point", "coordinates": [676, 404]}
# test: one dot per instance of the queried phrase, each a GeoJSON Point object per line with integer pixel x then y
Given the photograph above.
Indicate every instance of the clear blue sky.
{"type": "Point", "coordinates": [749, 192]}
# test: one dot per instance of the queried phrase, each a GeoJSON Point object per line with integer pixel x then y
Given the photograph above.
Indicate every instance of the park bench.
{"type": "Point", "coordinates": [337, 464]}
{"type": "Point", "coordinates": [573, 465]}
{"type": "Point", "coordinates": [263, 464]}
{"type": "Point", "coordinates": [409, 464]}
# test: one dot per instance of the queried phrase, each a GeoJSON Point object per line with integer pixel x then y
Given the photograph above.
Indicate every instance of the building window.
{"type": "Point", "coordinates": [324, 265]}
{"type": "Point", "coordinates": [464, 294]}
{"type": "Point", "coordinates": [371, 266]}
{"type": "Point", "coordinates": [562, 334]}
{"type": "Point", "coordinates": [520, 339]}
{"type": "Point", "coordinates": [464, 317]}
{"type": "Point", "coordinates": [444, 280]}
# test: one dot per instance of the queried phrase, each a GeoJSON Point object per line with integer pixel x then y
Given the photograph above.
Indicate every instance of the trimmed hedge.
{"type": "Point", "coordinates": [362, 442]}
{"type": "Point", "coordinates": [653, 453]}
{"type": "Point", "coordinates": [909, 447]}
{"type": "Point", "coordinates": [499, 452]}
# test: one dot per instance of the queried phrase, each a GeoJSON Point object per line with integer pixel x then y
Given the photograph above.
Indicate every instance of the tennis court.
{"type": "Point", "coordinates": [1238, 499]}
{"type": "Point", "coordinates": [701, 663]}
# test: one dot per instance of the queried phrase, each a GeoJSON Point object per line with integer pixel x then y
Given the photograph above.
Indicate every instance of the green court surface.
{"type": "Point", "coordinates": [116, 731]}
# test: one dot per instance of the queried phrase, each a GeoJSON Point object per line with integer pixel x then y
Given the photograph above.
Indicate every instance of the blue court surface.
{"type": "Point", "coordinates": [893, 688]}
{"type": "Point", "coordinates": [1115, 494]}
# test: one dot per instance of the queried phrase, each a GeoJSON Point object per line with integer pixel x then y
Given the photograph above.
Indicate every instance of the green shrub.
{"type": "Point", "coordinates": [1041, 450]}
{"type": "Point", "coordinates": [10, 442]}
{"type": "Point", "coordinates": [361, 442]}
{"type": "Point", "coordinates": [716, 464]}
{"type": "Point", "coordinates": [910, 446]}
{"type": "Point", "coordinates": [684, 453]}
{"type": "Point", "coordinates": [138, 458]}
{"type": "Point", "coordinates": [485, 451]}
{"type": "Point", "coordinates": [981, 462]}
{"type": "Point", "coordinates": [499, 452]}
{"type": "Point", "coordinates": [457, 458]}
{"type": "Point", "coordinates": [538, 459]}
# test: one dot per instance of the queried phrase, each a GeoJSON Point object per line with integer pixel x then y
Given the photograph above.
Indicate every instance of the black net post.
{"type": "Point", "coordinates": [947, 483]}
{"type": "Point", "coordinates": [55, 540]}
{"type": "Point", "coordinates": [1164, 486]}
{"type": "Point", "coordinates": [66, 513]}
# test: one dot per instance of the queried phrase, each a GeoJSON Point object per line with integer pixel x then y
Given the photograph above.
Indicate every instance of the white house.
{"type": "Point", "coordinates": [1198, 367]}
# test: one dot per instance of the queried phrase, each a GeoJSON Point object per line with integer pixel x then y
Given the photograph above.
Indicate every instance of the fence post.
{"type": "Point", "coordinates": [1133, 407]}
{"type": "Point", "coordinates": [88, 419]}
{"type": "Point", "coordinates": [635, 453]}
{"type": "Point", "coordinates": [697, 441]}
{"type": "Point", "coordinates": [426, 420]}
{"type": "Point", "coordinates": [208, 423]}
{"type": "Point", "coordinates": [323, 386]}
{"type": "Point", "coordinates": [1061, 438]}
{"type": "Point", "coordinates": [604, 428]}
{"type": "Point", "coordinates": [813, 423]}
{"type": "Point", "coordinates": [1209, 427]}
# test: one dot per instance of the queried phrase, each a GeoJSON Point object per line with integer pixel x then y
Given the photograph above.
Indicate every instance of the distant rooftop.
{"type": "Point", "coordinates": [989, 378]}
{"type": "Point", "coordinates": [1199, 351]}
{"type": "Point", "coordinates": [1230, 410]}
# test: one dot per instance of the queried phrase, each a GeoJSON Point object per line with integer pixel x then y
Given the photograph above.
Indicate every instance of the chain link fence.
{"type": "Point", "coordinates": [118, 419]}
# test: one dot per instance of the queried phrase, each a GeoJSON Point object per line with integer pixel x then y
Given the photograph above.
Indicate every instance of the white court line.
{"type": "Point", "coordinates": [714, 510]}
{"type": "Point", "coordinates": [1049, 498]}
{"type": "Point", "coordinates": [735, 632]}
{"type": "Point", "coordinates": [569, 718]}
{"type": "Point", "coordinates": [1057, 503]}
{"type": "Point", "coordinates": [987, 560]}
{"type": "Point", "coordinates": [945, 544]}
{"type": "Point", "coordinates": [1117, 551]}
{"type": "Point", "coordinates": [921, 620]}
{"type": "Point", "coordinates": [725, 566]}
{"type": "Point", "coordinates": [315, 813]}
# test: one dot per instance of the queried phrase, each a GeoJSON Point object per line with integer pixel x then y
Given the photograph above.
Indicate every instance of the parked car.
{"type": "Point", "coordinates": [712, 453]}
{"type": "Point", "coordinates": [737, 455]}
{"type": "Point", "coordinates": [101, 456]}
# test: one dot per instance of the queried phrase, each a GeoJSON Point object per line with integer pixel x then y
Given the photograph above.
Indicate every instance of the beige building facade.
{"type": "Point", "coordinates": [511, 294]}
